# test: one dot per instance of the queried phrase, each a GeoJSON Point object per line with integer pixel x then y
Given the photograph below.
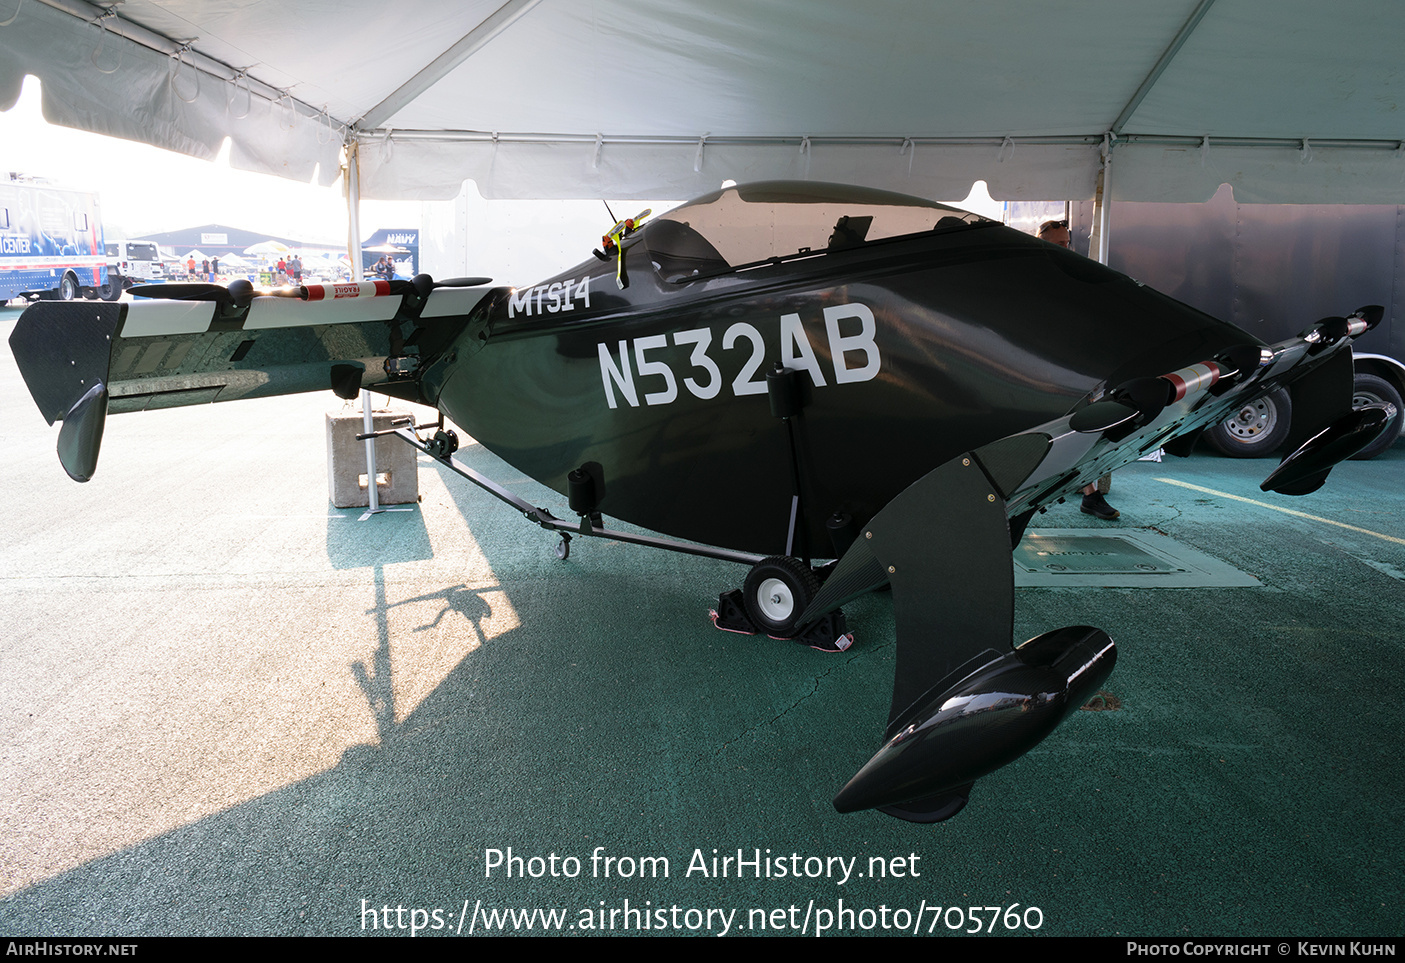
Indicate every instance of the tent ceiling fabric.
{"type": "Point", "coordinates": [1286, 100]}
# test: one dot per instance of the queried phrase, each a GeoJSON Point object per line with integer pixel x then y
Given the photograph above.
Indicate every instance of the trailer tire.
{"type": "Point", "coordinates": [69, 289]}
{"type": "Point", "coordinates": [1259, 428]}
{"type": "Point", "coordinates": [1370, 389]}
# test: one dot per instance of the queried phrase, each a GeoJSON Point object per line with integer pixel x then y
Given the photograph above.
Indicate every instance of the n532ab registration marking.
{"type": "Point", "coordinates": [853, 356]}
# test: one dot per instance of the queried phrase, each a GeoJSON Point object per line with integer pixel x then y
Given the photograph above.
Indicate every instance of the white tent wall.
{"type": "Point", "coordinates": [1287, 100]}
{"type": "Point", "coordinates": [1285, 173]}
{"type": "Point", "coordinates": [628, 168]}
{"type": "Point", "coordinates": [97, 80]}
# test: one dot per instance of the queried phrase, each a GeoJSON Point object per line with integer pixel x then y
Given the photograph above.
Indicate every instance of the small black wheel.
{"type": "Point", "coordinates": [1259, 428]}
{"type": "Point", "coordinates": [776, 592]}
{"type": "Point", "coordinates": [563, 548]}
{"type": "Point", "coordinates": [1373, 390]}
{"type": "Point", "coordinates": [443, 444]}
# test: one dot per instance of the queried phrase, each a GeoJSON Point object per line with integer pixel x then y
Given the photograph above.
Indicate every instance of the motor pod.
{"type": "Point", "coordinates": [986, 719]}
{"type": "Point", "coordinates": [1304, 471]}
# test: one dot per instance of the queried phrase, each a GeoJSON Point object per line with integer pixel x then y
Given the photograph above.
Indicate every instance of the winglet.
{"type": "Point", "coordinates": [62, 349]}
{"type": "Point", "coordinates": [964, 702]}
{"type": "Point", "coordinates": [81, 434]}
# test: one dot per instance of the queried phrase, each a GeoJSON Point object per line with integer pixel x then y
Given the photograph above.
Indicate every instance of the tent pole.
{"type": "Point", "coordinates": [353, 207]}
{"type": "Point", "coordinates": [1102, 205]}
{"type": "Point", "coordinates": [353, 252]}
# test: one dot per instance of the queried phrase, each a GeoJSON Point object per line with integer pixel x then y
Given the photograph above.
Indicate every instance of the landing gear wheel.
{"type": "Point", "coordinates": [443, 444]}
{"type": "Point", "coordinates": [1259, 428]}
{"type": "Point", "coordinates": [1373, 390]}
{"type": "Point", "coordinates": [563, 547]}
{"type": "Point", "coordinates": [777, 590]}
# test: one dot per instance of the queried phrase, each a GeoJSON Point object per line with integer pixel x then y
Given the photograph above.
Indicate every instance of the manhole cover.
{"type": "Point", "coordinates": [1128, 559]}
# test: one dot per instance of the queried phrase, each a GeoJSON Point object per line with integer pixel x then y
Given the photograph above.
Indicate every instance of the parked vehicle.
{"type": "Point", "coordinates": [1272, 269]}
{"type": "Point", "coordinates": [136, 262]}
{"type": "Point", "coordinates": [51, 243]}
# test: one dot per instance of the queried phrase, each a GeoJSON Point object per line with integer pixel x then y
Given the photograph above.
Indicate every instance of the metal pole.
{"type": "Point", "coordinates": [1104, 202]}
{"type": "Point", "coordinates": [353, 207]}
{"type": "Point", "coordinates": [353, 251]}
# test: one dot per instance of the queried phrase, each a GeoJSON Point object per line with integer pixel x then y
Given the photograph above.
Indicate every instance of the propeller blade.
{"type": "Point", "coordinates": [182, 291]}
{"type": "Point", "coordinates": [462, 282]}
{"type": "Point", "coordinates": [240, 293]}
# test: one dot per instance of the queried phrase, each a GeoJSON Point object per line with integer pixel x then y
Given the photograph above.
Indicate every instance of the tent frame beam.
{"type": "Point", "coordinates": [995, 142]}
{"type": "Point", "coordinates": [111, 20]}
{"type": "Point", "coordinates": [1162, 63]}
{"type": "Point", "coordinates": [440, 67]}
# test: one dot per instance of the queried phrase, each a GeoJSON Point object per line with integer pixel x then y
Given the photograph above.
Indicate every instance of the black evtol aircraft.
{"type": "Point", "coordinates": [780, 372]}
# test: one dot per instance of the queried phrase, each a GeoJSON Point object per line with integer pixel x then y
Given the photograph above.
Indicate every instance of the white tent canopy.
{"type": "Point", "coordinates": [1286, 100]}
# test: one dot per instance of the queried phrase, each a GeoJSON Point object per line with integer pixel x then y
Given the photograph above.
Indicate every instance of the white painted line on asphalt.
{"type": "Point", "coordinates": [1285, 511]}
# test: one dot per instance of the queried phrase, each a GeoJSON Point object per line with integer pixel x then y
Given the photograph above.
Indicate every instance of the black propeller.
{"type": "Point", "coordinates": [192, 291]}
{"type": "Point", "coordinates": [462, 282]}
{"type": "Point", "coordinates": [423, 283]}
{"type": "Point", "coordinates": [239, 293]}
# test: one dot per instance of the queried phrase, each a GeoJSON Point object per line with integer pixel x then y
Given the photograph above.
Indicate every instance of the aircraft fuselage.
{"type": "Point", "coordinates": [912, 349]}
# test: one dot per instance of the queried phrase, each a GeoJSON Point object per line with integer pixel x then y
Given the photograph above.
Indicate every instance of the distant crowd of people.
{"type": "Point", "coordinates": [289, 270]}
{"type": "Point", "coordinates": [286, 270]}
{"type": "Point", "coordinates": [209, 268]}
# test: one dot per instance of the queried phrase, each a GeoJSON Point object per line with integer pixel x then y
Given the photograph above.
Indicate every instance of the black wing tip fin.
{"type": "Point", "coordinates": [965, 702]}
{"type": "Point", "coordinates": [62, 349]}
{"type": "Point", "coordinates": [80, 436]}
